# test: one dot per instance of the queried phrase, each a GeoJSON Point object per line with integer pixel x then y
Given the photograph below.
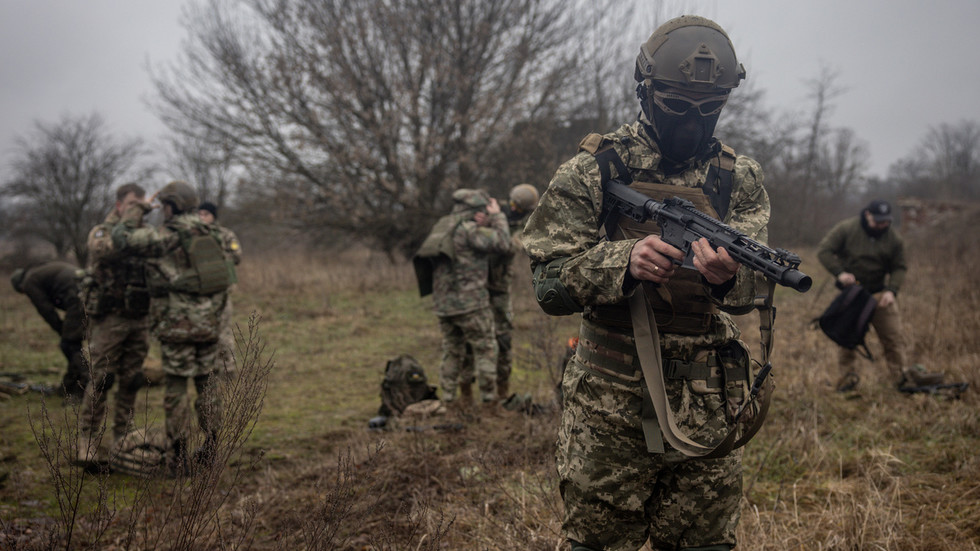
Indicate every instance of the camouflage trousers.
{"type": "Point", "coordinates": [117, 348]}
{"type": "Point", "coordinates": [503, 326]}
{"type": "Point", "coordinates": [616, 493]}
{"type": "Point", "coordinates": [196, 362]}
{"type": "Point", "coordinates": [888, 326]}
{"type": "Point", "coordinates": [226, 339]}
{"type": "Point", "coordinates": [473, 330]}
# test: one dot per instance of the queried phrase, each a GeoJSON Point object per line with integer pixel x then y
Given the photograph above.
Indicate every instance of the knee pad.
{"type": "Point", "coordinates": [576, 546]}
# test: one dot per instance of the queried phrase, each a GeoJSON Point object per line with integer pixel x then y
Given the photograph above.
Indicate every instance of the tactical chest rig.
{"type": "Point", "coordinates": [682, 306]}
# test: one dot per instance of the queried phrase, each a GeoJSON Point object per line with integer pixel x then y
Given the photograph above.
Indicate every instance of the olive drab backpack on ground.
{"type": "Point", "coordinates": [439, 243]}
{"type": "Point", "coordinates": [847, 320]}
{"type": "Point", "coordinates": [404, 384]}
{"type": "Point", "coordinates": [211, 271]}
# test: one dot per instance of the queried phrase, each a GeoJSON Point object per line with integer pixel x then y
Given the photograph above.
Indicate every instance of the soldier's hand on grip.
{"type": "Point", "coordinates": [650, 259]}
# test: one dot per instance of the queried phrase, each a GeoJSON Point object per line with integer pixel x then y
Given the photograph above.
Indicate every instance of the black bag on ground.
{"type": "Point", "coordinates": [847, 320]}
{"type": "Point", "coordinates": [404, 384]}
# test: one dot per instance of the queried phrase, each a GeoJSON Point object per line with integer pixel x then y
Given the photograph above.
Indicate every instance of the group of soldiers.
{"type": "Point", "coordinates": [173, 281]}
{"type": "Point", "coordinates": [466, 263]}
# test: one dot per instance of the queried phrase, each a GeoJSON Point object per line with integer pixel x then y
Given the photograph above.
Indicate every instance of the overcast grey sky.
{"type": "Point", "coordinates": [906, 65]}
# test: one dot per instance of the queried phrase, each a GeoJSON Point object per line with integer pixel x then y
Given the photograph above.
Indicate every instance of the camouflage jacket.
{"type": "Point", "coordinates": [460, 286]}
{"type": "Point", "coordinates": [230, 243]}
{"type": "Point", "coordinates": [566, 224]}
{"type": "Point", "coordinates": [877, 262]}
{"type": "Point", "coordinates": [178, 317]}
{"type": "Point", "coordinates": [501, 271]}
{"type": "Point", "coordinates": [111, 271]}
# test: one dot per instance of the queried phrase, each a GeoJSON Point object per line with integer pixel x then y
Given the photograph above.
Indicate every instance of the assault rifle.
{"type": "Point", "coordinates": [681, 224]}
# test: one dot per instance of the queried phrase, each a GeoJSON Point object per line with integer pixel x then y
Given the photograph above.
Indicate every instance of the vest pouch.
{"type": "Point", "coordinates": [209, 272]}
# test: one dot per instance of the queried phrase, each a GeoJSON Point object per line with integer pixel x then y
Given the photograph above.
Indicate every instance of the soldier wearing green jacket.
{"type": "Point", "coordinates": [866, 250]}
{"type": "Point", "coordinates": [623, 483]}
{"type": "Point", "coordinates": [53, 286]}
{"type": "Point", "coordinates": [188, 276]}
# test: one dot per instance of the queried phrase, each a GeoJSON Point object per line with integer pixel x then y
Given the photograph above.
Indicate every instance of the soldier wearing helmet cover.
{"type": "Point", "coordinates": [187, 307]}
{"type": "Point", "coordinates": [622, 484]}
{"type": "Point", "coordinates": [521, 202]}
{"type": "Point", "coordinates": [474, 229]}
{"type": "Point", "coordinates": [114, 295]}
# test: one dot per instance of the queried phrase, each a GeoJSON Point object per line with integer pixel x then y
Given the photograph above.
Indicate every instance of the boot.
{"type": "Point", "coordinates": [178, 464]}
{"type": "Point", "coordinates": [466, 393]}
{"type": "Point", "coordinates": [918, 376]}
{"type": "Point", "coordinates": [848, 382]}
{"type": "Point", "coordinates": [87, 451]}
{"type": "Point", "coordinates": [205, 456]}
{"type": "Point", "coordinates": [503, 389]}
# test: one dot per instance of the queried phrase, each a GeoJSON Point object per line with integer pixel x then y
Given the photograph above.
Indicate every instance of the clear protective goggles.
{"type": "Point", "coordinates": [677, 104]}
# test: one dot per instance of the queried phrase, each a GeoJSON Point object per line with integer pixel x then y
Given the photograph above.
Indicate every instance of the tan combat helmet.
{"type": "Point", "coordinates": [180, 194]}
{"type": "Point", "coordinates": [523, 198]}
{"type": "Point", "coordinates": [689, 52]}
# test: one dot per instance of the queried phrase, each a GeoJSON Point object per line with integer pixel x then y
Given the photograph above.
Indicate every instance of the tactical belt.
{"type": "Point", "coordinates": [610, 353]}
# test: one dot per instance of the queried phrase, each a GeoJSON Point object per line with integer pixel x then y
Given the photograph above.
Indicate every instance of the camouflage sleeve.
{"type": "Point", "coordinates": [565, 224]}
{"type": "Point", "coordinates": [99, 244]}
{"type": "Point", "coordinates": [494, 238]}
{"type": "Point", "coordinates": [148, 242]}
{"type": "Point", "coordinates": [749, 214]}
{"type": "Point", "coordinates": [232, 246]}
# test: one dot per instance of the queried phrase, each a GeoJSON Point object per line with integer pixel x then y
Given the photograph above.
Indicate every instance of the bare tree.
{"type": "Point", "coordinates": [207, 167]}
{"type": "Point", "coordinates": [372, 112]}
{"type": "Point", "coordinates": [815, 169]}
{"type": "Point", "coordinates": [63, 177]}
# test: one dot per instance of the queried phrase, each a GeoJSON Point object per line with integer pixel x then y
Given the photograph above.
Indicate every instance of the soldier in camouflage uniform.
{"type": "Point", "coordinates": [208, 212]}
{"type": "Point", "coordinates": [116, 301]}
{"type": "Point", "coordinates": [523, 199]}
{"type": "Point", "coordinates": [53, 286]}
{"type": "Point", "coordinates": [460, 296]}
{"type": "Point", "coordinates": [186, 318]}
{"type": "Point", "coordinates": [620, 482]}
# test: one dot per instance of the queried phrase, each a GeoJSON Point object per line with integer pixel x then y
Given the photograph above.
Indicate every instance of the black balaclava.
{"type": "Point", "coordinates": [682, 139]}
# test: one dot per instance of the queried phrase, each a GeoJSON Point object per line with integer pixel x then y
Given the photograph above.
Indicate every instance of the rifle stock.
{"type": "Point", "coordinates": [681, 224]}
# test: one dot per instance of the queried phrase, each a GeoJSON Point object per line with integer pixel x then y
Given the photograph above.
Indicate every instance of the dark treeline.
{"type": "Point", "coordinates": [326, 121]}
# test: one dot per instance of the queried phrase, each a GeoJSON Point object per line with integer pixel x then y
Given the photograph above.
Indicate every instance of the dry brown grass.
{"type": "Point", "coordinates": [874, 470]}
